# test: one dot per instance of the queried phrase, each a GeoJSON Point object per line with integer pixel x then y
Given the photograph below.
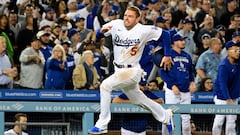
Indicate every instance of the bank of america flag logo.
{"type": "Point", "coordinates": [96, 107]}
{"type": "Point", "coordinates": [17, 106]}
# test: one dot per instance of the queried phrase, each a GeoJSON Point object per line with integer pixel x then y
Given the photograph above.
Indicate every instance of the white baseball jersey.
{"type": "Point", "coordinates": [129, 44]}
{"type": "Point", "coordinates": [12, 132]}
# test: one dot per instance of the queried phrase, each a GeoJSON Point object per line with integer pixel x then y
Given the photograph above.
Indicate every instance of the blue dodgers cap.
{"type": "Point", "coordinates": [154, 1]}
{"type": "Point", "coordinates": [78, 18]}
{"type": "Point", "coordinates": [112, 12]}
{"type": "Point", "coordinates": [67, 42]}
{"type": "Point", "coordinates": [187, 20]}
{"type": "Point", "coordinates": [177, 37]}
{"type": "Point", "coordinates": [205, 35]}
{"type": "Point", "coordinates": [228, 1]}
{"type": "Point", "coordinates": [72, 32]}
{"type": "Point", "coordinates": [236, 33]}
{"type": "Point", "coordinates": [161, 19]}
{"type": "Point", "coordinates": [230, 44]}
{"type": "Point", "coordinates": [221, 28]}
{"type": "Point", "coordinates": [143, 7]}
{"type": "Point", "coordinates": [49, 9]}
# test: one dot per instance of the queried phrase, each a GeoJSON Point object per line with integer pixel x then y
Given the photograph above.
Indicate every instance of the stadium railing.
{"type": "Point", "coordinates": [88, 107]}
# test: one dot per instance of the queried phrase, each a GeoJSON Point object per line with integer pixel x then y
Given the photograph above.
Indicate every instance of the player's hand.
{"type": "Point", "coordinates": [38, 60]}
{"type": "Point", "coordinates": [159, 100]}
{"type": "Point", "coordinates": [175, 90]}
{"type": "Point", "coordinates": [192, 87]}
{"type": "Point", "coordinates": [166, 62]}
{"type": "Point", "coordinates": [230, 102]}
{"type": "Point", "coordinates": [105, 29]}
{"type": "Point", "coordinates": [62, 66]}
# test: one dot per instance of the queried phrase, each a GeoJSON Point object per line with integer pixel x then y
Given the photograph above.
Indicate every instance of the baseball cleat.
{"type": "Point", "coordinates": [97, 131]}
{"type": "Point", "coordinates": [169, 123]}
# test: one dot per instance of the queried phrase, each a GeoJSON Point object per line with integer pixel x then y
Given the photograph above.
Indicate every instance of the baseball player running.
{"type": "Point", "coordinates": [129, 38]}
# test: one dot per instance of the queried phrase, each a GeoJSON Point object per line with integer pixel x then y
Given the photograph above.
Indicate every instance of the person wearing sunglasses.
{"type": "Point", "coordinates": [226, 88]}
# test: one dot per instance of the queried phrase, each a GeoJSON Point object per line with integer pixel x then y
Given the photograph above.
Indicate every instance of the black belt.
{"type": "Point", "coordinates": [123, 66]}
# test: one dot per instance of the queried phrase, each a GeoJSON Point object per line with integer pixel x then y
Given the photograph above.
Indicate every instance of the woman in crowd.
{"type": "Point", "coordinates": [206, 85]}
{"type": "Point", "coordinates": [56, 66]}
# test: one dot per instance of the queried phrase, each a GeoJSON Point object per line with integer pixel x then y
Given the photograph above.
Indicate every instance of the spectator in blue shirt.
{"type": "Point", "coordinates": [56, 68]}
{"type": "Point", "coordinates": [5, 67]}
{"type": "Point", "coordinates": [70, 64]}
{"type": "Point", "coordinates": [44, 38]}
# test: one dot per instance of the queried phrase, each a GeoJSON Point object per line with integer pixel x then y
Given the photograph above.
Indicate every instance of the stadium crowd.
{"type": "Point", "coordinates": [44, 40]}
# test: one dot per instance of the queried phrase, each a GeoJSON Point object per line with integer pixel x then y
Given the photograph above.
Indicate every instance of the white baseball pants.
{"type": "Point", "coordinates": [128, 132]}
{"type": "Point", "coordinates": [219, 120]}
{"type": "Point", "coordinates": [126, 79]}
{"type": "Point", "coordinates": [183, 98]}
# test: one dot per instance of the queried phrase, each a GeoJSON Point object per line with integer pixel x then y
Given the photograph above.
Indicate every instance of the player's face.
{"type": "Point", "coordinates": [130, 19]}
{"type": "Point", "coordinates": [180, 44]}
{"type": "Point", "coordinates": [24, 121]}
{"type": "Point", "coordinates": [233, 52]}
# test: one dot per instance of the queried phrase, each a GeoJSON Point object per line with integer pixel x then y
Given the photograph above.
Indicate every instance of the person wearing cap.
{"type": "Point", "coordinates": [188, 33]}
{"type": "Point", "coordinates": [155, 52]}
{"type": "Point", "coordinates": [160, 22]}
{"type": "Point", "coordinates": [32, 66]}
{"type": "Point", "coordinates": [112, 15]}
{"type": "Point", "coordinates": [150, 58]}
{"type": "Point", "coordinates": [205, 39]}
{"type": "Point", "coordinates": [208, 61]}
{"type": "Point", "coordinates": [155, 5]}
{"type": "Point", "coordinates": [154, 9]}
{"type": "Point", "coordinates": [75, 39]}
{"type": "Point", "coordinates": [80, 26]}
{"type": "Point", "coordinates": [236, 38]}
{"type": "Point", "coordinates": [226, 88]}
{"type": "Point", "coordinates": [221, 33]}
{"type": "Point", "coordinates": [144, 12]}
{"type": "Point", "coordinates": [179, 81]}
{"type": "Point", "coordinates": [70, 64]}
{"type": "Point", "coordinates": [129, 40]}
{"type": "Point", "coordinates": [57, 34]}
{"type": "Point", "coordinates": [72, 8]}
{"type": "Point", "coordinates": [44, 38]}
{"type": "Point", "coordinates": [49, 18]}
